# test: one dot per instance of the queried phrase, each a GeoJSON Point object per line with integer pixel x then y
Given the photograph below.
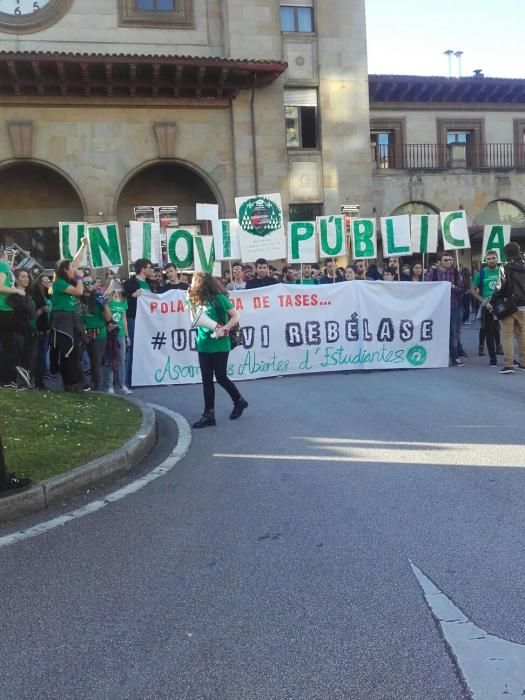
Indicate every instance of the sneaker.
{"type": "Point", "coordinates": [507, 370]}
{"type": "Point", "coordinates": [24, 376]}
{"type": "Point", "coordinates": [14, 483]}
{"type": "Point", "coordinates": [481, 351]}
{"type": "Point", "coordinates": [86, 387]}
{"type": "Point", "coordinates": [499, 350]}
{"type": "Point", "coordinates": [111, 390]}
{"type": "Point", "coordinates": [493, 363]}
{"type": "Point", "coordinates": [125, 390]}
{"type": "Point", "coordinates": [10, 385]}
{"type": "Point", "coordinates": [457, 363]}
{"type": "Point", "coordinates": [522, 367]}
{"type": "Point", "coordinates": [466, 323]}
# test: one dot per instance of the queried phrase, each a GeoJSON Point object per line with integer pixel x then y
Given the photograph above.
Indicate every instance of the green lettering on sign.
{"type": "Point", "coordinates": [300, 231]}
{"type": "Point", "coordinates": [186, 239]}
{"type": "Point", "coordinates": [206, 261]}
{"type": "Point", "coordinates": [67, 253]}
{"type": "Point", "coordinates": [146, 241]}
{"type": "Point", "coordinates": [326, 249]}
{"type": "Point", "coordinates": [105, 246]}
{"type": "Point", "coordinates": [226, 239]}
{"type": "Point", "coordinates": [423, 241]}
{"type": "Point", "coordinates": [496, 241]}
{"type": "Point", "coordinates": [447, 229]}
{"type": "Point", "coordinates": [391, 240]}
{"type": "Point", "coordinates": [363, 230]}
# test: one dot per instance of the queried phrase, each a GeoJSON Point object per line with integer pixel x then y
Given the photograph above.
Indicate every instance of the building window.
{"type": "Point", "coordinates": [155, 5]}
{"type": "Point", "coordinates": [305, 212]}
{"type": "Point", "coordinates": [461, 143]}
{"type": "Point", "coordinates": [157, 13]}
{"type": "Point", "coordinates": [387, 138]}
{"type": "Point", "coordinates": [301, 118]}
{"type": "Point", "coordinates": [297, 19]}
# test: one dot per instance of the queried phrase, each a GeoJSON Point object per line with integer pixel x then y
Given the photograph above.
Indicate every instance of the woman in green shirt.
{"type": "Point", "coordinates": [9, 324]}
{"type": "Point", "coordinates": [67, 333]}
{"type": "Point", "coordinates": [213, 346]}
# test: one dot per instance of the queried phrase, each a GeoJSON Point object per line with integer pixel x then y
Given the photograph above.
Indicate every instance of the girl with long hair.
{"type": "Point", "coordinates": [207, 294]}
{"type": "Point", "coordinates": [416, 272]}
{"type": "Point", "coordinates": [95, 315]}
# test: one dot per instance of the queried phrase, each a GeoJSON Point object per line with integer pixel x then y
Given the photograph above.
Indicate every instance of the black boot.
{"type": "Point", "coordinates": [206, 420]}
{"type": "Point", "coordinates": [238, 408]}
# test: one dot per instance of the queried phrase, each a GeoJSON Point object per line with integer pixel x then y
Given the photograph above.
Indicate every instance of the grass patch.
{"type": "Point", "coordinates": [49, 432]}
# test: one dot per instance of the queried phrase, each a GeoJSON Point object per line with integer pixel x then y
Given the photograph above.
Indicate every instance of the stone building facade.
{"type": "Point", "coordinates": [110, 104]}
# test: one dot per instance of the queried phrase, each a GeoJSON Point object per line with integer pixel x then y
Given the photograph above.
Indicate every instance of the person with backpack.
{"type": "Point", "coordinates": [207, 295]}
{"type": "Point", "coordinates": [508, 303]}
{"type": "Point", "coordinates": [446, 272]}
{"type": "Point", "coordinates": [482, 288]}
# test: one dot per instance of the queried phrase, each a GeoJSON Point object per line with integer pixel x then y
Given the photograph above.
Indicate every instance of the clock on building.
{"type": "Point", "coordinates": [30, 15]}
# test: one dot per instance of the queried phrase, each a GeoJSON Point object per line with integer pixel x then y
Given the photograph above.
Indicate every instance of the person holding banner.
{"type": "Point", "coordinates": [482, 288]}
{"type": "Point", "coordinates": [172, 279]}
{"type": "Point", "coordinates": [445, 272]}
{"type": "Point", "coordinates": [67, 332]}
{"type": "Point", "coordinates": [262, 275]}
{"type": "Point", "coordinates": [133, 288]}
{"type": "Point", "coordinates": [208, 299]}
{"type": "Point", "coordinates": [416, 272]}
{"type": "Point", "coordinates": [95, 316]}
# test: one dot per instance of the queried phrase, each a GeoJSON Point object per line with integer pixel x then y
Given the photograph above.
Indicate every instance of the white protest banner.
{"type": "Point", "coordinates": [495, 237]}
{"type": "Point", "coordinates": [70, 240]}
{"type": "Point", "coordinates": [454, 229]}
{"type": "Point", "coordinates": [302, 242]}
{"type": "Point", "coordinates": [424, 232]}
{"type": "Point", "coordinates": [104, 245]}
{"type": "Point", "coordinates": [206, 212]}
{"type": "Point", "coordinates": [144, 238]}
{"type": "Point", "coordinates": [204, 256]}
{"type": "Point", "coordinates": [262, 231]}
{"type": "Point", "coordinates": [364, 239]}
{"type": "Point", "coordinates": [226, 239]}
{"type": "Point", "coordinates": [180, 246]}
{"type": "Point", "coordinates": [329, 328]}
{"type": "Point", "coordinates": [332, 241]}
{"type": "Point", "coordinates": [395, 233]}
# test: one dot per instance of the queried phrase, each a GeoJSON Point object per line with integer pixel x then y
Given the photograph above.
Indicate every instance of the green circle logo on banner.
{"type": "Point", "coordinates": [260, 216]}
{"type": "Point", "coordinates": [417, 355]}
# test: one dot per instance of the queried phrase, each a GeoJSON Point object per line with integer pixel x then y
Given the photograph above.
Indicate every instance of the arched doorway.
{"type": "Point", "coordinates": [415, 208]}
{"type": "Point", "coordinates": [501, 211]}
{"type": "Point", "coordinates": [33, 199]}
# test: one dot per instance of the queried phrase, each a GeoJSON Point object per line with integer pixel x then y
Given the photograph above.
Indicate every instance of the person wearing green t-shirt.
{"type": "Point", "coordinates": [482, 288]}
{"type": "Point", "coordinates": [9, 325]}
{"type": "Point", "coordinates": [306, 275]}
{"type": "Point", "coordinates": [94, 312]}
{"type": "Point", "coordinates": [118, 341]}
{"type": "Point", "coordinates": [206, 294]}
{"type": "Point", "coordinates": [67, 332]}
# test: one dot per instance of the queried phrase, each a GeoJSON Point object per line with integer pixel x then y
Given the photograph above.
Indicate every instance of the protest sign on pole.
{"type": "Point", "coordinates": [352, 326]}
{"type": "Point", "coordinates": [226, 239]}
{"type": "Point", "coordinates": [204, 256]}
{"type": "Point", "coordinates": [104, 245]}
{"type": "Point", "coordinates": [180, 246]}
{"type": "Point", "coordinates": [454, 229]}
{"type": "Point", "coordinates": [424, 233]}
{"type": "Point", "coordinates": [206, 212]}
{"type": "Point", "coordinates": [332, 239]}
{"type": "Point", "coordinates": [144, 238]}
{"type": "Point", "coordinates": [70, 240]}
{"type": "Point", "coordinates": [495, 237]}
{"type": "Point", "coordinates": [302, 242]}
{"type": "Point", "coordinates": [364, 239]}
{"type": "Point", "coordinates": [262, 233]}
{"type": "Point", "coordinates": [395, 233]}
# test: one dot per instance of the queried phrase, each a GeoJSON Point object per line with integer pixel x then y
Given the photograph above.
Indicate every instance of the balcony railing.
{"type": "Point", "coordinates": [435, 156]}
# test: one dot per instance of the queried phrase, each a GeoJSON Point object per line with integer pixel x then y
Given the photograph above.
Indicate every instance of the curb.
{"type": "Point", "coordinates": [117, 463]}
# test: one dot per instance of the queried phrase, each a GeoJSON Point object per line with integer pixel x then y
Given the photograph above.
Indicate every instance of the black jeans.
{"type": "Point", "coordinates": [215, 363]}
{"type": "Point", "coordinates": [9, 325]}
{"type": "Point", "coordinates": [96, 349]}
{"type": "Point", "coordinates": [489, 331]}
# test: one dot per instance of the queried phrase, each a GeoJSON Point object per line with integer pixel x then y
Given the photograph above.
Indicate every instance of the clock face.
{"type": "Point", "coordinates": [20, 8]}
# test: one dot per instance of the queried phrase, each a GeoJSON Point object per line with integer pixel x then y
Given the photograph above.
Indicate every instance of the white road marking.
{"type": "Point", "coordinates": [491, 667]}
{"type": "Point", "coordinates": [178, 452]}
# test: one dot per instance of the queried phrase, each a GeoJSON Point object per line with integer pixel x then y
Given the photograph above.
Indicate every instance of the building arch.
{"type": "Point", "coordinates": [34, 196]}
{"type": "Point", "coordinates": [502, 211]}
{"type": "Point", "coordinates": [415, 207]}
{"type": "Point", "coordinates": [168, 164]}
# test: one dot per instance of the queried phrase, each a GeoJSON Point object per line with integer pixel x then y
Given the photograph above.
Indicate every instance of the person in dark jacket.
{"type": "Point", "coordinates": [262, 275]}
{"type": "Point", "coordinates": [133, 288]}
{"type": "Point", "coordinates": [512, 284]}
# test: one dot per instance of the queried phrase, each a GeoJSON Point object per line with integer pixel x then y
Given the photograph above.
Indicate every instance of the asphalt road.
{"type": "Point", "coordinates": [273, 561]}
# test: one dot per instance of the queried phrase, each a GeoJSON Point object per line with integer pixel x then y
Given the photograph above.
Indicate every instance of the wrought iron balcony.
{"type": "Point", "coordinates": [435, 156]}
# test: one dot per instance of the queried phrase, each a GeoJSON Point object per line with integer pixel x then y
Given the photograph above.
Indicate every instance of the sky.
{"type": "Point", "coordinates": [410, 36]}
